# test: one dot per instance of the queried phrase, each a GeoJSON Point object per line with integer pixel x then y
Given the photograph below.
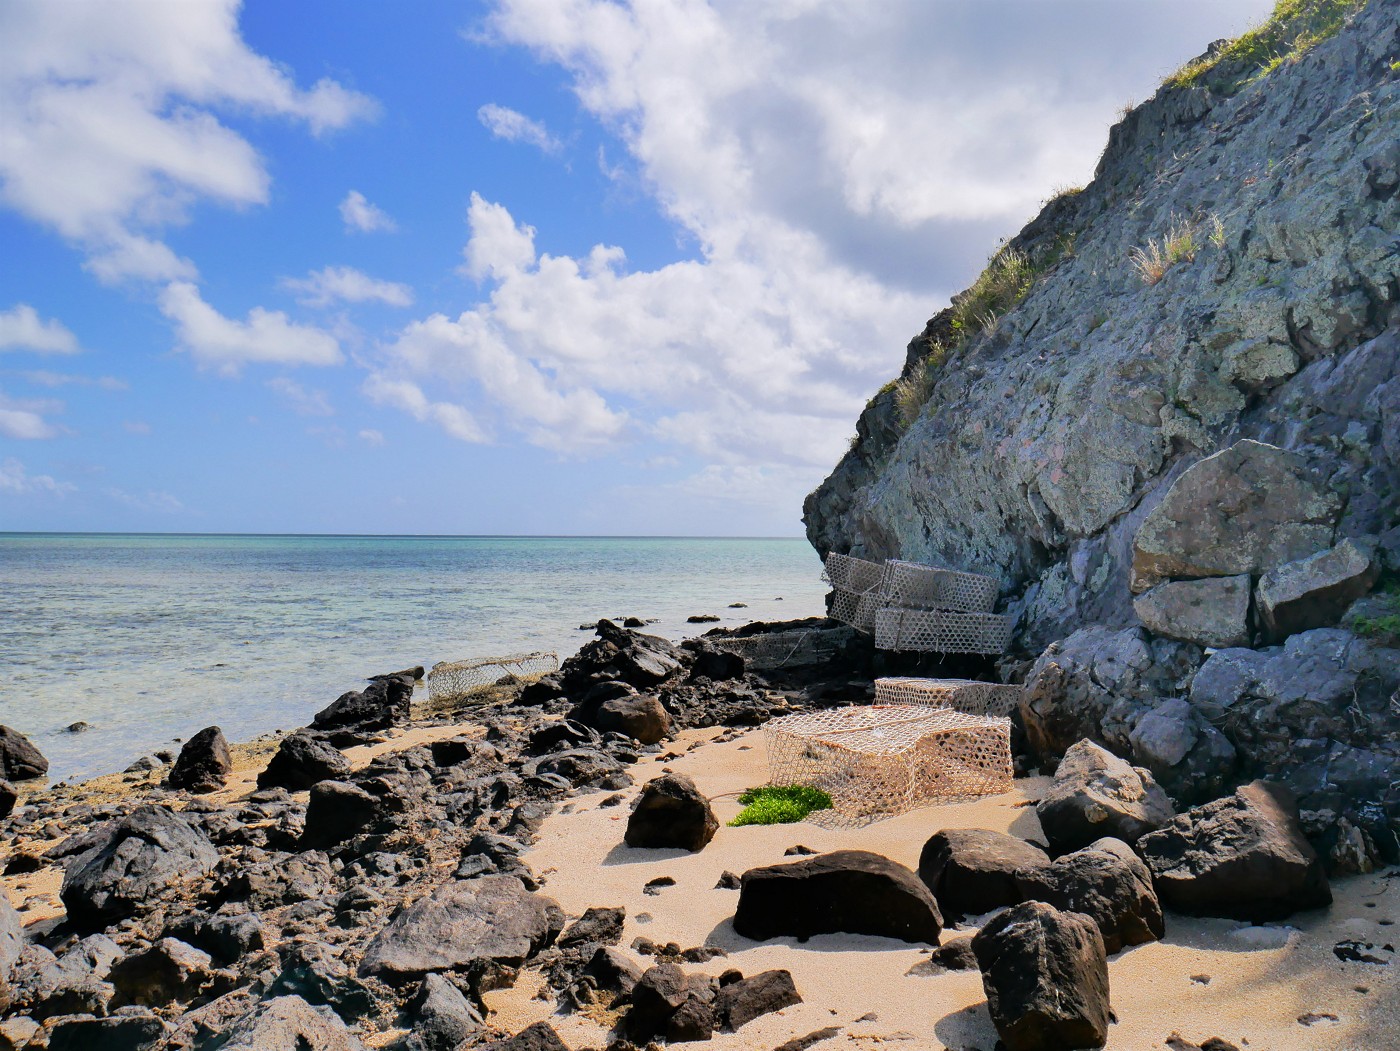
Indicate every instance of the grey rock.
{"type": "Point", "coordinates": [302, 760]}
{"type": "Point", "coordinates": [169, 971]}
{"type": "Point", "coordinates": [639, 715]}
{"type": "Point", "coordinates": [538, 1037]}
{"type": "Point", "coordinates": [226, 938]}
{"type": "Point", "coordinates": [19, 759]}
{"type": "Point", "coordinates": [1095, 794]}
{"type": "Point", "coordinates": [286, 1023]}
{"type": "Point", "coordinates": [1187, 755]}
{"type": "Point", "coordinates": [1314, 592]}
{"type": "Point", "coordinates": [11, 942]}
{"type": "Point", "coordinates": [1210, 612]}
{"type": "Point", "coordinates": [1107, 882]}
{"type": "Point", "coordinates": [134, 864]}
{"type": "Point", "coordinates": [74, 983]}
{"type": "Point", "coordinates": [440, 1017]}
{"type": "Point", "coordinates": [973, 870]}
{"type": "Point", "coordinates": [204, 763]}
{"type": "Point", "coordinates": [671, 812]}
{"type": "Point", "coordinates": [317, 974]}
{"type": "Point", "coordinates": [125, 1032]}
{"type": "Point", "coordinates": [338, 811]}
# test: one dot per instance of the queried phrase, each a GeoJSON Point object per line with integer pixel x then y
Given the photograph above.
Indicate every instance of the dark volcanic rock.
{"type": "Point", "coordinates": [11, 941]}
{"type": "Point", "coordinates": [671, 812]}
{"type": "Point", "coordinates": [133, 864]}
{"type": "Point", "coordinates": [599, 926]}
{"type": "Point", "coordinates": [713, 663]}
{"type": "Point", "coordinates": [973, 870]}
{"type": "Point", "coordinates": [204, 763]}
{"type": "Point", "coordinates": [301, 761]}
{"type": "Point", "coordinates": [126, 1032]}
{"type": "Point", "coordinates": [1046, 978]}
{"type": "Point", "coordinates": [8, 798]}
{"type": "Point", "coordinates": [289, 1022]}
{"type": "Point", "coordinates": [1108, 883]}
{"type": "Point", "coordinates": [462, 926]}
{"type": "Point", "coordinates": [385, 702]}
{"type": "Point", "coordinates": [739, 1003]}
{"type": "Point", "coordinates": [337, 811]}
{"type": "Point", "coordinates": [440, 1018]}
{"type": "Point", "coordinates": [19, 759]}
{"type": "Point", "coordinates": [636, 715]}
{"type": "Point", "coordinates": [1242, 857]}
{"type": "Point", "coordinates": [226, 938]}
{"type": "Point", "coordinates": [167, 972]}
{"type": "Point", "coordinates": [71, 984]}
{"type": "Point", "coordinates": [1096, 794]}
{"type": "Point", "coordinates": [639, 660]}
{"type": "Point", "coordinates": [848, 890]}
{"type": "Point", "coordinates": [538, 1037]}
{"type": "Point", "coordinates": [612, 970]}
{"type": "Point", "coordinates": [658, 995]}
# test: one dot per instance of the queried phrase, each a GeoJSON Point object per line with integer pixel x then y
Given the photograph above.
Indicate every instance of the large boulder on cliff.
{"type": "Point", "coordinates": [974, 870]}
{"type": "Point", "coordinates": [851, 891]}
{"type": "Point", "coordinates": [1243, 857]}
{"type": "Point", "coordinates": [19, 759]}
{"type": "Point", "coordinates": [203, 764]}
{"type": "Point", "coordinates": [134, 864]}
{"type": "Point", "coordinates": [671, 812]}
{"type": "Point", "coordinates": [1107, 882]}
{"type": "Point", "coordinates": [1246, 509]}
{"type": "Point", "coordinates": [302, 760]}
{"type": "Point", "coordinates": [1209, 612]}
{"type": "Point", "coordinates": [1314, 592]}
{"type": "Point", "coordinates": [1096, 794]}
{"type": "Point", "coordinates": [1046, 978]}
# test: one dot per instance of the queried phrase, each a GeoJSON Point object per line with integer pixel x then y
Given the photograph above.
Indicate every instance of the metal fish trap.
{"type": "Point", "coordinates": [942, 631]}
{"type": "Point", "coordinates": [451, 679]}
{"type": "Point", "coordinates": [848, 573]}
{"type": "Point", "coordinates": [963, 695]}
{"type": "Point", "coordinates": [856, 610]}
{"type": "Point", "coordinates": [877, 761]}
{"type": "Point", "coordinates": [909, 585]}
{"type": "Point", "coordinates": [790, 649]}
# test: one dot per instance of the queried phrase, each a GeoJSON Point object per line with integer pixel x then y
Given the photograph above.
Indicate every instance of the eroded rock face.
{"type": "Point", "coordinates": [11, 941]}
{"type": "Point", "coordinates": [1107, 882]}
{"type": "Point", "coordinates": [1242, 857]}
{"type": "Point", "coordinates": [1314, 592]}
{"type": "Point", "coordinates": [290, 1022]}
{"type": "Point", "coordinates": [19, 759]}
{"type": "Point", "coordinates": [851, 891]}
{"type": "Point", "coordinates": [671, 812]}
{"type": "Point", "coordinates": [1247, 509]}
{"type": "Point", "coordinates": [1046, 978]}
{"type": "Point", "coordinates": [973, 870]}
{"type": "Point", "coordinates": [204, 762]}
{"type": "Point", "coordinates": [1096, 794]}
{"type": "Point", "coordinates": [1210, 612]}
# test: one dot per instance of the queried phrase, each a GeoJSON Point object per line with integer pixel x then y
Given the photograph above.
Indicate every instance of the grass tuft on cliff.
{"type": "Point", "coordinates": [1294, 28]}
{"type": "Point", "coordinates": [779, 804]}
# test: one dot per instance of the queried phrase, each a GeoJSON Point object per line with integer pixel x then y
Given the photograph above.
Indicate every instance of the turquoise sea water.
{"type": "Point", "coordinates": [150, 638]}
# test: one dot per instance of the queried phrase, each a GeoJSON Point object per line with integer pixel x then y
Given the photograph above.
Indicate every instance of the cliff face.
{"type": "Point", "coordinates": [1046, 440]}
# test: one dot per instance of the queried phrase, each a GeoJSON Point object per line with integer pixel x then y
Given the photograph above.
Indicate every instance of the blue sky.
{"type": "Point", "coordinates": [535, 266]}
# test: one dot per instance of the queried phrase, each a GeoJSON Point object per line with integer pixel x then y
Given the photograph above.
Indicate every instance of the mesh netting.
{"type": "Point", "coordinates": [450, 679]}
{"type": "Point", "coordinates": [790, 649]}
{"type": "Point", "coordinates": [876, 761]}
{"type": "Point", "coordinates": [857, 610]}
{"type": "Point", "coordinates": [941, 631]}
{"type": "Point", "coordinates": [855, 575]}
{"type": "Point", "coordinates": [962, 695]}
{"type": "Point", "coordinates": [910, 585]}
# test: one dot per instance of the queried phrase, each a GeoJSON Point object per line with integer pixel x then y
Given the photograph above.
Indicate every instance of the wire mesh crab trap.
{"type": "Point", "coordinates": [881, 760]}
{"type": "Point", "coordinates": [785, 649]}
{"type": "Point", "coordinates": [962, 695]}
{"type": "Point", "coordinates": [941, 631]}
{"type": "Point", "coordinates": [909, 585]}
{"type": "Point", "coordinates": [453, 679]}
{"type": "Point", "coordinates": [848, 573]}
{"type": "Point", "coordinates": [856, 610]}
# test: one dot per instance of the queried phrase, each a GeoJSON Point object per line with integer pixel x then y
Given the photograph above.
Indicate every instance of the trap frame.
{"type": "Point", "coordinates": [968, 696]}
{"type": "Point", "coordinates": [451, 679]}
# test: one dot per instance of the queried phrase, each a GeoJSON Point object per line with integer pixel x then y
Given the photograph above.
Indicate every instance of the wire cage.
{"type": "Point", "coordinates": [909, 585]}
{"type": "Point", "coordinates": [785, 649]}
{"type": "Point", "coordinates": [851, 574]}
{"type": "Point", "coordinates": [962, 695]}
{"type": "Point", "coordinates": [876, 761]}
{"type": "Point", "coordinates": [452, 679]}
{"type": "Point", "coordinates": [857, 610]}
{"type": "Point", "coordinates": [941, 631]}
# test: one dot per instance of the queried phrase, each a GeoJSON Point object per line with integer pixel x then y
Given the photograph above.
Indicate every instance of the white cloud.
{"type": "Point", "coordinates": [111, 126]}
{"type": "Point", "coordinates": [334, 284]}
{"type": "Point", "coordinates": [409, 397]}
{"type": "Point", "coordinates": [24, 419]}
{"type": "Point", "coordinates": [505, 123]}
{"type": "Point", "coordinates": [45, 378]}
{"type": "Point", "coordinates": [227, 344]}
{"type": "Point", "coordinates": [372, 437]}
{"type": "Point", "coordinates": [21, 328]}
{"type": "Point", "coordinates": [152, 500]}
{"type": "Point", "coordinates": [304, 402]}
{"type": "Point", "coordinates": [359, 215]}
{"type": "Point", "coordinates": [497, 246]}
{"type": "Point", "coordinates": [14, 479]}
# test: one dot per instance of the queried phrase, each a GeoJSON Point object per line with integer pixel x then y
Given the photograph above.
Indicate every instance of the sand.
{"type": "Point", "coordinates": [1207, 978]}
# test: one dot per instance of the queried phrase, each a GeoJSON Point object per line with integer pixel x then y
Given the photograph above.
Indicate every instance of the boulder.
{"type": "Point", "coordinates": [974, 870]}
{"type": "Point", "coordinates": [1213, 611]}
{"type": "Point", "coordinates": [11, 942]}
{"type": "Point", "coordinates": [133, 864]}
{"type": "Point", "coordinates": [597, 926]}
{"type": "Point", "coordinates": [657, 996]}
{"type": "Point", "coordinates": [671, 812]}
{"type": "Point", "coordinates": [1107, 882]}
{"type": "Point", "coordinates": [1314, 592]}
{"type": "Point", "coordinates": [626, 656]}
{"type": "Point", "coordinates": [636, 715]}
{"type": "Point", "coordinates": [169, 971]}
{"type": "Point", "coordinates": [225, 938]}
{"type": "Point", "coordinates": [440, 1018]}
{"type": "Point", "coordinates": [612, 970]}
{"type": "Point", "coordinates": [290, 1023]}
{"type": "Point", "coordinates": [711, 662]}
{"type": "Point", "coordinates": [385, 702]}
{"type": "Point", "coordinates": [1242, 857]}
{"type": "Point", "coordinates": [1247, 509]}
{"type": "Point", "coordinates": [8, 798]}
{"type": "Point", "coordinates": [125, 1032]}
{"type": "Point", "coordinates": [538, 1037]}
{"type": "Point", "coordinates": [71, 984]}
{"type": "Point", "coordinates": [1096, 794]}
{"type": "Point", "coordinates": [19, 759]}
{"type": "Point", "coordinates": [739, 1003]}
{"type": "Point", "coordinates": [1187, 755]}
{"type": "Point", "coordinates": [338, 811]}
{"type": "Point", "coordinates": [302, 760]}
{"type": "Point", "coordinates": [465, 925]}
{"type": "Point", "coordinates": [1046, 978]}
{"type": "Point", "coordinates": [318, 974]}
{"type": "Point", "coordinates": [852, 891]}
{"type": "Point", "coordinates": [203, 764]}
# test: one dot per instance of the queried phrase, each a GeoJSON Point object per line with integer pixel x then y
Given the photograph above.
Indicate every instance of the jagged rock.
{"type": "Point", "coordinates": [739, 1003]}
{"type": "Point", "coordinates": [289, 1022]}
{"type": "Point", "coordinates": [463, 926]}
{"type": "Point", "coordinates": [314, 972]}
{"type": "Point", "coordinates": [1243, 857]}
{"type": "Point", "coordinates": [1246, 509]}
{"type": "Point", "coordinates": [337, 811]}
{"type": "Point", "coordinates": [952, 956]}
{"type": "Point", "coordinates": [1209, 612]}
{"type": "Point", "coordinates": [599, 926]}
{"type": "Point", "coordinates": [302, 760]}
{"type": "Point", "coordinates": [1108, 883]}
{"type": "Point", "coordinates": [169, 971]}
{"type": "Point", "coordinates": [1314, 592]}
{"type": "Point", "coordinates": [851, 891]}
{"type": "Point", "coordinates": [711, 662]}
{"type": "Point", "coordinates": [661, 991]}
{"type": "Point", "coordinates": [11, 942]}
{"type": "Point", "coordinates": [636, 715]}
{"type": "Point", "coordinates": [225, 938]}
{"type": "Point", "coordinates": [19, 759]}
{"type": "Point", "coordinates": [1046, 978]}
{"type": "Point", "coordinates": [538, 1037]}
{"type": "Point", "coordinates": [974, 870]}
{"type": "Point", "coordinates": [72, 984]}
{"type": "Point", "coordinates": [1096, 794]}
{"type": "Point", "coordinates": [271, 883]}
{"type": "Point", "coordinates": [580, 766]}
{"type": "Point", "coordinates": [440, 1018]}
{"type": "Point", "coordinates": [671, 812]}
{"type": "Point", "coordinates": [135, 863]}
{"type": "Point", "coordinates": [204, 763]}
{"type": "Point", "coordinates": [1188, 756]}
{"type": "Point", "coordinates": [125, 1032]}
{"type": "Point", "coordinates": [8, 798]}
{"type": "Point", "coordinates": [384, 703]}
{"type": "Point", "coordinates": [612, 970]}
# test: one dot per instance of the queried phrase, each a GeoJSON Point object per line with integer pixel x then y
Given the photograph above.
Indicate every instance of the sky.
{"type": "Point", "coordinates": [523, 267]}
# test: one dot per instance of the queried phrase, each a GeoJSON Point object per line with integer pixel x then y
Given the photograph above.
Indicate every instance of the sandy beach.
{"type": "Point", "coordinates": [1208, 977]}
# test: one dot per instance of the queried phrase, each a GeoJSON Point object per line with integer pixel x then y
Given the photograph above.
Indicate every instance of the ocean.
{"type": "Point", "coordinates": [150, 638]}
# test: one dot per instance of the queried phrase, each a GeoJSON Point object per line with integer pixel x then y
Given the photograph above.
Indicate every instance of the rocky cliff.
{"type": "Point", "coordinates": [1172, 430]}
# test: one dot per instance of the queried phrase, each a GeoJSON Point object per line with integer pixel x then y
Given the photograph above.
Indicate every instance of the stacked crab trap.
{"type": "Point", "coordinates": [450, 680]}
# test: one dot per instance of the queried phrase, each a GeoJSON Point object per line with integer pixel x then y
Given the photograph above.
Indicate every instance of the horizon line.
{"type": "Point", "coordinates": [403, 536]}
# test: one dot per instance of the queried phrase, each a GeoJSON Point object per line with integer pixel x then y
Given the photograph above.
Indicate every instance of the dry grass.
{"type": "Point", "coordinates": [1291, 30]}
{"type": "Point", "coordinates": [1178, 245]}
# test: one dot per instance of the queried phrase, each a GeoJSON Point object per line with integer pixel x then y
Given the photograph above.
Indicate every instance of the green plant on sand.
{"type": "Point", "coordinates": [1294, 27]}
{"type": "Point", "coordinates": [779, 804]}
